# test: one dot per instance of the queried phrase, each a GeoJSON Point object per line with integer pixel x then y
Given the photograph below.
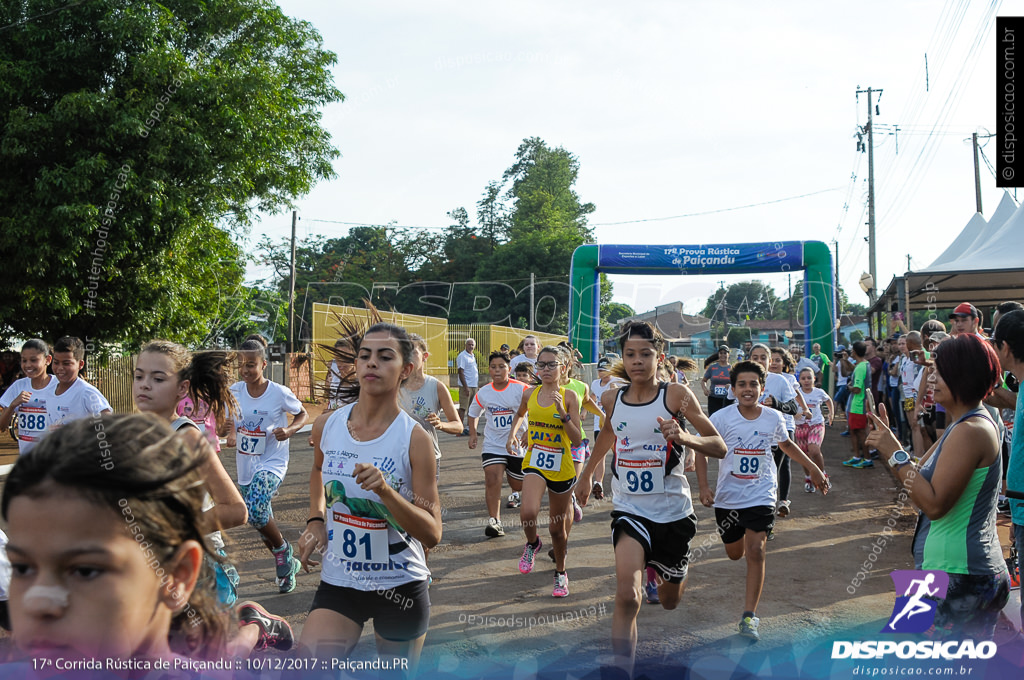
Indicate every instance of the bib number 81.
{"type": "Point", "coordinates": [349, 546]}
{"type": "Point", "coordinates": [643, 482]}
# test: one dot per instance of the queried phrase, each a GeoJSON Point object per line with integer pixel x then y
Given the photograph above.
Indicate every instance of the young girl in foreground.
{"type": "Point", "coordinates": [653, 519]}
{"type": "Point", "coordinates": [105, 559]}
{"type": "Point", "coordinates": [165, 374]}
{"type": "Point", "coordinates": [373, 508]}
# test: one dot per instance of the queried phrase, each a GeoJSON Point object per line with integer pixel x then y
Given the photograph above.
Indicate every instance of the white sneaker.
{"type": "Point", "coordinates": [808, 486]}
{"type": "Point", "coordinates": [782, 509]}
{"type": "Point", "coordinates": [513, 500]}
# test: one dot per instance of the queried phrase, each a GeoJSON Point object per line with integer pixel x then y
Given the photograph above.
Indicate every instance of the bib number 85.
{"type": "Point", "coordinates": [642, 482]}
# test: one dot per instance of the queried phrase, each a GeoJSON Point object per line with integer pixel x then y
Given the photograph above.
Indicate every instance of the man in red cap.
{"type": "Point", "coordinates": [966, 318]}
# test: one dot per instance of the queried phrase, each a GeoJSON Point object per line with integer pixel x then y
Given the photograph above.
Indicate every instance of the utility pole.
{"type": "Point", "coordinates": [871, 190]}
{"type": "Point", "coordinates": [291, 290]}
{"type": "Point", "coordinates": [532, 276]}
{"type": "Point", "coordinates": [977, 173]}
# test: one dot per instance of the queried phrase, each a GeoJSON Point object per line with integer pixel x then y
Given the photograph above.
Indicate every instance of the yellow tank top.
{"type": "Point", "coordinates": [548, 451]}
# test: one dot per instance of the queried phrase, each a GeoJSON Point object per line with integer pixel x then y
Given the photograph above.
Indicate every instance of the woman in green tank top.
{"type": "Point", "coordinates": [956, 485]}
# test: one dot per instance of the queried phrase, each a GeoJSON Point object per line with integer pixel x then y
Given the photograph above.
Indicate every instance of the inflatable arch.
{"type": "Point", "coordinates": [813, 257]}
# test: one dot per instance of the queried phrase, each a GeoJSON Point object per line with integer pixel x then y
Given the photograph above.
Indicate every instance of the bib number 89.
{"type": "Point", "coordinates": [749, 465]}
{"type": "Point", "coordinates": [643, 482]}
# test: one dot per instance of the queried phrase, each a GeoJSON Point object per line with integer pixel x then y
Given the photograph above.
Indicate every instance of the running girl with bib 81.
{"type": "Point", "coordinates": [373, 509]}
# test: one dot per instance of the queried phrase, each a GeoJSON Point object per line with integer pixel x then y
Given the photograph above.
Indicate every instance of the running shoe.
{"type": "Point", "coordinates": [771, 534]}
{"type": "Point", "coordinates": [865, 463]}
{"type": "Point", "coordinates": [561, 585]}
{"type": "Point", "coordinates": [748, 627]}
{"type": "Point", "coordinates": [274, 630]}
{"type": "Point", "coordinates": [873, 453]}
{"type": "Point", "coordinates": [465, 432]}
{"type": "Point", "coordinates": [513, 500]}
{"type": "Point", "coordinates": [494, 528]}
{"type": "Point", "coordinates": [287, 567]}
{"type": "Point", "coordinates": [844, 434]}
{"type": "Point", "coordinates": [577, 511]}
{"type": "Point", "coordinates": [852, 462]}
{"type": "Point", "coordinates": [782, 509]}
{"type": "Point", "coordinates": [529, 555]}
{"type": "Point", "coordinates": [808, 485]}
{"type": "Point", "coordinates": [598, 491]}
{"type": "Point", "coordinates": [652, 592]}
{"type": "Point", "coordinates": [551, 553]}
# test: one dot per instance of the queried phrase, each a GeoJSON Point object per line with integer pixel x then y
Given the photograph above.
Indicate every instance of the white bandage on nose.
{"type": "Point", "coordinates": [47, 596]}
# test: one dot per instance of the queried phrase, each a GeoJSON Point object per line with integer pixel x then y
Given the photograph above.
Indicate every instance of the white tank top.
{"type": "Point", "coordinates": [647, 478]}
{"type": "Point", "coordinates": [366, 547]}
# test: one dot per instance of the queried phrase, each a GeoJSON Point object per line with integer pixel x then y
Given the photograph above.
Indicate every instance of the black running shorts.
{"type": "Point", "coordinates": [666, 546]}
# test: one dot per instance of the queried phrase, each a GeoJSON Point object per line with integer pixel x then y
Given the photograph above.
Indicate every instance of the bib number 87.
{"type": "Point", "coordinates": [349, 546]}
{"type": "Point", "coordinates": [644, 481]}
{"type": "Point", "coordinates": [248, 444]}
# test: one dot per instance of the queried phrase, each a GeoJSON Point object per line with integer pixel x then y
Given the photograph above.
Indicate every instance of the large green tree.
{"type": "Point", "coordinates": [136, 140]}
{"type": "Point", "coordinates": [544, 221]}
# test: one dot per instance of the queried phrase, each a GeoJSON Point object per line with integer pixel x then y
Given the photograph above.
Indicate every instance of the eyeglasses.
{"type": "Point", "coordinates": [547, 364]}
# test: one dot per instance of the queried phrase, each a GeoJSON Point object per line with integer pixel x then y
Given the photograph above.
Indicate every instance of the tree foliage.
{"type": "Point", "coordinates": [136, 141]}
{"type": "Point", "coordinates": [530, 221]}
{"type": "Point", "coordinates": [742, 301]}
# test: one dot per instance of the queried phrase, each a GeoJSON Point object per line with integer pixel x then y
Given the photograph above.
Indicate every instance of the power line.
{"type": "Point", "coordinates": [593, 224]}
{"type": "Point", "coordinates": [713, 212]}
{"type": "Point", "coordinates": [41, 15]}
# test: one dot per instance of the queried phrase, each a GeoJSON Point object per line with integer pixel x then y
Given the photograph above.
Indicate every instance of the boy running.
{"type": "Point", "coordinates": [653, 519]}
{"type": "Point", "coordinates": [745, 495]}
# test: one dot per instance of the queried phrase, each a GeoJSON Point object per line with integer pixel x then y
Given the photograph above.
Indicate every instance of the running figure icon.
{"type": "Point", "coordinates": [914, 605]}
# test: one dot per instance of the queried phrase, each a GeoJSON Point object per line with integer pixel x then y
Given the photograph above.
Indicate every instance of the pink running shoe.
{"type": "Point", "coordinates": [529, 555]}
{"type": "Point", "coordinates": [577, 511]}
{"type": "Point", "coordinates": [561, 585]}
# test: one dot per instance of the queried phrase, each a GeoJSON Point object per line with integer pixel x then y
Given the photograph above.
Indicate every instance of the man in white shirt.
{"type": "Point", "coordinates": [469, 379]}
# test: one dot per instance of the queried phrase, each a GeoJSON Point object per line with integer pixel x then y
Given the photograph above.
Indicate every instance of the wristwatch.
{"type": "Point", "coordinates": [898, 458]}
{"type": "Point", "coordinates": [566, 418]}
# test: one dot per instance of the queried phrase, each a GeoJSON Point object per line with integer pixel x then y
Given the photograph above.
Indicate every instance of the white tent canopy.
{"type": "Point", "coordinates": [983, 265]}
{"type": "Point", "coordinates": [988, 271]}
